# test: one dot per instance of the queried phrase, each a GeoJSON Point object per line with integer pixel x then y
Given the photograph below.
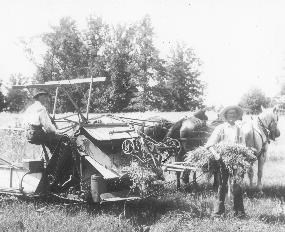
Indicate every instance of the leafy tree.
{"type": "Point", "coordinates": [2, 100]}
{"type": "Point", "coordinates": [96, 38]}
{"type": "Point", "coordinates": [183, 83]}
{"type": "Point", "coordinates": [137, 79]}
{"type": "Point", "coordinates": [16, 99]}
{"type": "Point", "coordinates": [146, 65]}
{"type": "Point", "coordinates": [253, 100]}
{"type": "Point", "coordinates": [119, 56]}
{"type": "Point", "coordinates": [66, 58]}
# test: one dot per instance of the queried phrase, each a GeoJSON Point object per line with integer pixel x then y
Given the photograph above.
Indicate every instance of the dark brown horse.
{"type": "Point", "coordinates": [160, 128]}
{"type": "Point", "coordinates": [192, 131]}
{"type": "Point", "coordinates": [156, 128]}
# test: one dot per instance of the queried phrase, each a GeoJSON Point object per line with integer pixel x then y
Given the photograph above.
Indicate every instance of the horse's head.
{"type": "Point", "coordinates": [158, 128]}
{"type": "Point", "coordinates": [201, 114]}
{"type": "Point", "coordinates": [269, 119]}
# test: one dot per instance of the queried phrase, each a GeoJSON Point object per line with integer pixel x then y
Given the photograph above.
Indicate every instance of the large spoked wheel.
{"type": "Point", "coordinates": [128, 146]}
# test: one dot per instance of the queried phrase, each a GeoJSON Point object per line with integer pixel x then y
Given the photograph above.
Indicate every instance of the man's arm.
{"type": "Point", "coordinates": [46, 122]}
{"type": "Point", "coordinates": [214, 139]}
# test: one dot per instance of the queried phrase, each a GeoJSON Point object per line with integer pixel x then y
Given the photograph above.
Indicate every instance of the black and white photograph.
{"type": "Point", "coordinates": [142, 115]}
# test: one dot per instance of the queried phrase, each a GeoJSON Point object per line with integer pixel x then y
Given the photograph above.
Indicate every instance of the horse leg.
{"type": "Point", "coordinates": [216, 182]}
{"type": "Point", "coordinates": [195, 185]}
{"type": "Point", "coordinates": [261, 161]}
{"type": "Point", "coordinates": [178, 158]}
{"type": "Point", "coordinates": [194, 178]}
{"type": "Point", "coordinates": [178, 180]}
{"type": "Point", "coordinates": [250, 174]}
{"type": "Point", "coordinates": [185, 177]}
{"type": "Point", "coordinates": [185, 174]}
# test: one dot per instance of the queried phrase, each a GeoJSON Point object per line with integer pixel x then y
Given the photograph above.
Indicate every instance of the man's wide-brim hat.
{"type": "Point", "coordinates": [233, 107]}
{"type": "Point", "coordinates": [40, 93]}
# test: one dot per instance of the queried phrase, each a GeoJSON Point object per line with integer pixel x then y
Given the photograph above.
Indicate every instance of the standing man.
{"type": "Point", "coordinates": [228, 132]}
{"type": "Point", "coordinates": [40, 129]}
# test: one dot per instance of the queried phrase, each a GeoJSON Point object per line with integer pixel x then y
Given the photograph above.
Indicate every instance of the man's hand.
{"type": "Point", "coordinates": [188, 157]}
{"type": "Point", "coordinates": [253, 150]}
{"type": "Point", "coordinates": [215, 154]}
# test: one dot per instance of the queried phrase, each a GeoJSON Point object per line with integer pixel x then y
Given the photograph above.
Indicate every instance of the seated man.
{"type": "Point", "coordinates": [39, 127]}
{"type": "Point", "coordinates": [40, 130]}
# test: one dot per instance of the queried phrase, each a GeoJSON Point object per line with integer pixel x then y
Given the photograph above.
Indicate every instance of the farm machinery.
{"type": "Point", "coordinates": [106, 153]}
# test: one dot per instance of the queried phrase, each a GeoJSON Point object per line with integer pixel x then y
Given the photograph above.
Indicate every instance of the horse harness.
{"type": "Point", "coordinates": [199, 131]}
{"type": "Point", "coordinates": [266, 133]}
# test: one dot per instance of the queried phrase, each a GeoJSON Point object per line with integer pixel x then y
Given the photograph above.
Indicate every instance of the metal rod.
{"type": "Point", "coordinates": [54, 104]}
{"type": "Point", "coordinates": [120, 131]}
{"type": "Point", "coordinates": [75, 106]}
{"type": "Point", "coordinates": [11, 177]}
{"type": "Point", "coordinates": [68, 120]}
{"type": "Point", "coordinates": [81, 171]}
{"type": "Point", "coordinates": [68, 129]}
{"type": "Point", "coordinates": [174, 169]}
{"type": "Point", "coordinates": [89, 96]}
{"type": "Point", "coordinates": [68, 116]}
{"type": "Point", "coordinates": [10, 164]}
{"type": "Point", "coordinates": [45, 153]}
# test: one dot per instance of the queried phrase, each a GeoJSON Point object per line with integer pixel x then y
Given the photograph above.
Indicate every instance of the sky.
{"type": "Point", "coordinates": [241, 43]}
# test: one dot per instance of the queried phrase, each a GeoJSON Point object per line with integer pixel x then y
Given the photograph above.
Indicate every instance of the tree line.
{"type": "Point", "coordinates": [137, 78]}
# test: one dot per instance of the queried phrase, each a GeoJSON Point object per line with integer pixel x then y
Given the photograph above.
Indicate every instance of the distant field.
{"type": "Point", "coordinates": [172, 211]}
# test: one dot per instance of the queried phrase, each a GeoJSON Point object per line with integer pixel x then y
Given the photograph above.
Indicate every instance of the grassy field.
{"type": "Point", "coordinates": [171, 211]}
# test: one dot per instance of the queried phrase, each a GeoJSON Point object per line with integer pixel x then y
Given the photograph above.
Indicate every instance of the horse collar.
{"type": "Point", "coordinates": [264, 129]}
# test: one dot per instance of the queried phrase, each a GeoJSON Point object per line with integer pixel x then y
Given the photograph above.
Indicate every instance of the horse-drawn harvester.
{"type": "Point", "coordinates": [102, 150]}
{"type": "Point", "coordinates": [111, 157]}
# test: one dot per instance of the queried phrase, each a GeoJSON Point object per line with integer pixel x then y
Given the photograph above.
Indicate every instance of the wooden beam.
{"type": "Point", "coordinates": [76, 81]}
{"type": "Point", "coordinates": [106, 173]}
{"type": "Point", "coordinates": [60, 83]}
{"type": "Point", "coordinates": [75, 106]}
{"type": "Point", "coordinates": [89, 97]}
{"type": "Point", "coordinates": [54, 104]}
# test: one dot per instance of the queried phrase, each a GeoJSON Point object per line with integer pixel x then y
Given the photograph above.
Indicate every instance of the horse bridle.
{"type": "Point", "coordinates": [266, 130]}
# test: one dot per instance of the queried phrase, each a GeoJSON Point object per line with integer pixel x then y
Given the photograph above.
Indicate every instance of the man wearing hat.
{"type": "Point", "coordinates": [40, 129]}
{"type": "Point", "coordinates": [228, 132]}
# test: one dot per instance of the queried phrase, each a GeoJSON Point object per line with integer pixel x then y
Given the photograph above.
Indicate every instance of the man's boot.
{"type": "Point", "coordinates": [238, 201]}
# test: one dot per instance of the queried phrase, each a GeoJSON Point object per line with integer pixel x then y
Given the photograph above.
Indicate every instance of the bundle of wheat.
{"type": "Point", "coordinates": [143, 179]}
{"type": "Point", "coordinates": [237, 158]}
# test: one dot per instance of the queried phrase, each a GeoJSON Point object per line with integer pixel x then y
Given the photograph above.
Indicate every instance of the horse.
{"type": "Point", "coordinates": [157, 129]}
{"type": "Point", "coordinates": [258, 132]}
{"type": "Point", "coordinates": [192, 132]}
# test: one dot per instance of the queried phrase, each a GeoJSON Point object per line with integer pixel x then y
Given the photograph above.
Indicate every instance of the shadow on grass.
{"type": "Point", "coordinates": [148, 211]}
{"type": "Point", "coordinates": [143, 212]}
{"type": "Point", "coordinates": [188, 203]}
{"type": "Point", "coordinates": [272, 219]}
{"type": "Point", "coordinates": [273, 191]}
